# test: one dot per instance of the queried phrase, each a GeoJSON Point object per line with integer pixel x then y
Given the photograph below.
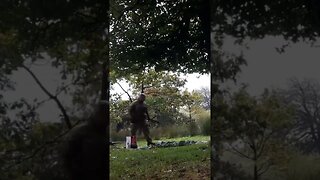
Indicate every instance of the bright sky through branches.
{"type": "Point", "coordinates": [194, 82]}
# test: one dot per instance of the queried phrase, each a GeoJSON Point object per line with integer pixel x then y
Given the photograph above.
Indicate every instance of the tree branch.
{"type": "Point", "coordinates": [62, 109]}
{"type": "Point", "coordinates": [75, 81]}
{"type": "Point", "coordinates": [236, 151]}
{"type": "Point", "coordinates": [43, 146]}
{"type": "Point", "coordinates": [42, 102]}
{"type": "Point", "coordinates": [125, 91]}
{"type": "Point", "coordinates": [263, 144]}
{"type": "Point", "coordinates": [266, 168]}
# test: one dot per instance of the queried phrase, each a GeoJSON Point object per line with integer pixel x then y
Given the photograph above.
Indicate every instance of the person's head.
{"type": "Point", "coordinates": [141, 97]}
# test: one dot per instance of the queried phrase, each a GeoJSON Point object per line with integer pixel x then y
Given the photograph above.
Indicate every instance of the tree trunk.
{"type": "Point", "coordinates": [255, 171]}
{"type": "Point", "coordinates": [255, 158]}
{"type": "Point", "coordinates": [190, 117]}
{"type": "Point", "coordinates": [104, 103]}
{"type": "Point", "coordinates": [216, 132]}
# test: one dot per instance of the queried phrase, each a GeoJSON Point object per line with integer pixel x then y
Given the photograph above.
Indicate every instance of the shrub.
{"type": "Point", "coordinates": [193, 129]}
{"type": "Point", "coordinates": [119, 136]}
{"type": "Point", "coordinates": [157, 133]}
{"type": "Point", "coordinates": [169, 132]}
{"type": "Point", "coordinates": [203, 119]}
{"type": "Point", "coordinates": [206, 127]}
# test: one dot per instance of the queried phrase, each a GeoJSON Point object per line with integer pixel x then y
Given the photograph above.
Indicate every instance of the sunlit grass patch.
{"type": "Point", "coordinates": [185, 162]}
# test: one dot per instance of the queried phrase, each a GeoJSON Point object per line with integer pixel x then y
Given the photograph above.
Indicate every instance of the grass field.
{"type": "Point", "coordinates": [184, 162]}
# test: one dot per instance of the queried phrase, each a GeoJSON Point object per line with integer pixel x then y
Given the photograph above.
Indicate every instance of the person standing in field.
{"type": "Point", "coordinates": [139, 114]}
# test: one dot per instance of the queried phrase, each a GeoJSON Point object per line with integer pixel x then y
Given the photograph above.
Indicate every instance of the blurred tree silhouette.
{"type": "Point", "coordinates": [304, 96]}
{"type": "Point", "coordinates": [253, 128]}
{"type": "Point", "coordinates": [293, 20]}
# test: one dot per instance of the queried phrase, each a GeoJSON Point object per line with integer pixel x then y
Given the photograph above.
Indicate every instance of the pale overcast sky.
{"type": "Point", "coordinates": [266, 68]}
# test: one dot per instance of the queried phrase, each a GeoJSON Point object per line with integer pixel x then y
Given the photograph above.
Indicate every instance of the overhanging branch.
{"type": "Point", "coordinates": [51, 96]}
{"type": "Point", "coordinates": [125, 92]}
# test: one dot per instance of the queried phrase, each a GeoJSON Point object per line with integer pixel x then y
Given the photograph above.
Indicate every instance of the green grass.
{"type": "Point", "coordinates": [185, 162]}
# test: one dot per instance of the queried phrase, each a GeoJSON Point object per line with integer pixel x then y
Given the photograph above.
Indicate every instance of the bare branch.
{"type": "Point", "coordinates": [65, 87]}
{"type": "Point", "coordinates": [74, 82]}
{"type": "Point", "coordinates": [263, 143]}
{"type": "Point", "coordinates": [263, 169]}
{"type": "Point", "coordinates": [55, 98]}
{"type": "Point", "coordinates": [125, 91]}
{"type": "Point", "coordinates": [236, 151]}
{"type": "Point", "coordinates": [42, 102]}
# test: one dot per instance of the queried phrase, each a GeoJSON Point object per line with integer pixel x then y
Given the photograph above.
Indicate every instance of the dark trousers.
{"type": "Point", "coordinates": [143, 127]}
